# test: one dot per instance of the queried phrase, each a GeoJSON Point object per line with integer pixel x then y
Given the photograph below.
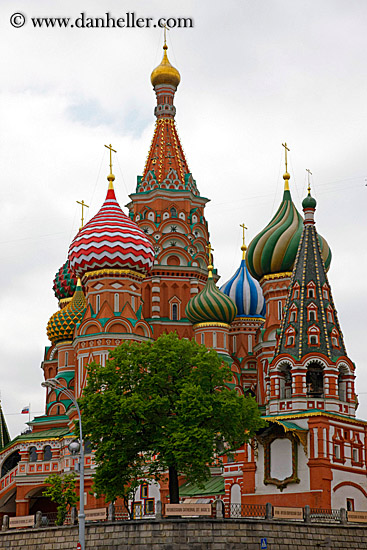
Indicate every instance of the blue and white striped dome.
{"type": "Point", "coordinates": [246, 293]}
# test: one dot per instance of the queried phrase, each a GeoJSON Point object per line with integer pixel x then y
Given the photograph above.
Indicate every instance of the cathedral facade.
{"type": "Point", "coordinates": [136, 274]}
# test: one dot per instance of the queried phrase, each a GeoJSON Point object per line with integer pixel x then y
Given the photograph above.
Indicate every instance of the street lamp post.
{"type": "Point", "coordinates": [54, 384]}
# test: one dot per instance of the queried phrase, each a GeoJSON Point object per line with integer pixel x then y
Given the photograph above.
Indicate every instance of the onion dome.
{"type": "Point", "coordinates": [309, 202]}
{"type": "Point", "coordinates": [245, 291]}
{"type": "Point", "coordinates": [274, 249]}
{"type": "Point", "coordinates": [165, 73]}
{"type": "Point", "coordinates": [110, 240]}
{"type": "Point", "coordinates": [211, 305]}
{"type": "Point", "coordinates": [64, 283]}
{"type": "Point", "coordinates": [62, 323]}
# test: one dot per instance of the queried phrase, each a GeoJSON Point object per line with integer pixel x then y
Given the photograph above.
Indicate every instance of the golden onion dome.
{"type": "Point", "coordinates": [165, 73]}
{"type": "Point", "coordinates": [62, 323]}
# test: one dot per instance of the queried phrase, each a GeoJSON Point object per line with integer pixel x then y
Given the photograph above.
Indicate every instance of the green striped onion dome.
{"type": "Point", "coordinates": [211, 305]}
{"type": "Point", "coordinates": [64, 282]}
{"type": "Point", "coordinates": [274, 249]}
{"type": "Point", "coordinates": [62, 323]}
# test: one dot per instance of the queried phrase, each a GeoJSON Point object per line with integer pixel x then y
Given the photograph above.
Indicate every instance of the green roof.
{"type": "Point", "coordinates": [52, 433]}
{"type": "Point", "coordinates": [214, 486]}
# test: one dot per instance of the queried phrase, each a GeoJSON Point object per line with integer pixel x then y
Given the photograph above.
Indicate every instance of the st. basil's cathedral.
{"type": "Point", "coordinates": [136, 274]}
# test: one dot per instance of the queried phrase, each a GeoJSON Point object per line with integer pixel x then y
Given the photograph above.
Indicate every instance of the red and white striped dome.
{"type": "Point", "coordinates": [110, 240]}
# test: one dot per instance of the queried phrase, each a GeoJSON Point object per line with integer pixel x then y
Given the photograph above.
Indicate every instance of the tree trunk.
{"type": "Point", "coordinates": [174, 495]}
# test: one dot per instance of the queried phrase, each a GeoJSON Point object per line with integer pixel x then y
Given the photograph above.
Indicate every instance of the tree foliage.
{"type": "Point", "coordinates": [162, 406]}
{"type": "Point", "coordinates": [62, 491]}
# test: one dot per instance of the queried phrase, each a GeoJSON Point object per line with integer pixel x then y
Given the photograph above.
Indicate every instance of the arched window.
{"type": "Point", "coordinates": [280, 310]}
{"type": "Point", "coordinates": [224, 340]}
{"type": "Point", "coordinates": [10, 463]}
{"type": "Point", "coordinates": [312, 315]}
{"type": "Point", "coordinates": [116, 303]}
{"type": "Point", "coordinates": [285, 382]}
{"type": "Point", "coordinates": [342, 383]}
{"type": "Point", "coordinates": [290, 340]}
{"type": "Point", "coordinates": [293, 316]}
{"type": "Point", "coordinates": [66, 358]}
{"type": "Point", "coordinates": [330, 317]}
{"type": "Point", "coordinates": [202, 339]}
{"type": "Point", "coordinates": [98, 303]}
{"type": "Point", "coordinates": [47, 453]}
{"type": "Point", "coordinates": [313, 334]}
{"type": "Point", "coordinates": [249, 340]}
{"type": "Point", "coordinates": [234, 344]}
{"type": "Point", "coordinates": [311, 290]}
{"type": "Point", "coordinates": [32, 454]}
{"type": "Point", "coordinates": [214, 339]}
{"type": "Point", "coordinates": [174, 312]}
{"type": "Point", "coordinates": [173, 212]}
{"type": "Point", "coordinates": [315, 380]}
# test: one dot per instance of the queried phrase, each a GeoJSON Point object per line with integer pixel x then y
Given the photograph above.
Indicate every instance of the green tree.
{"type": "Point", "coordinates": [62, 491]}
{"type": "Point", "coordinates": [162, 406]}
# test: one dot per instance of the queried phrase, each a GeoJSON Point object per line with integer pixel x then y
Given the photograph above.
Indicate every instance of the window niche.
{"type": "Point", "coordinates": [315, 380]}
{"type": "Point", "coordinates": [276, 443]}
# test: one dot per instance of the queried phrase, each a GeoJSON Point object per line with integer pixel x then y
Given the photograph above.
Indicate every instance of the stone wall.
{"type": "Point", "coordinates": [190, 534]}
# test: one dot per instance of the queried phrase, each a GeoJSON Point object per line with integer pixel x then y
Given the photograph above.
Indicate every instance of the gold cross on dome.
{"type": "Point", "coordinates": [210, 250]}
{"type": "Point", "coordinates": [309, 173]}
{"type": "Point", "coordinates": [210, 265]}
{"type": "Point", "coordinates": [243, 232]}
{"type": "Point", "coordinates": [243, 247]}
{"type": "Point", "coordinates": [83, 205]}
{"type": "Point", "coordinates": [165, 33]}
{"type": "Point", "coordinates": [286, 160]}
{"type": "Point", "coordinates": [110, 148]}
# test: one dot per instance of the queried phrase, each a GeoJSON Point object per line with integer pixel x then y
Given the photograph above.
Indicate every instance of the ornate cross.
{"type": "Point", "coordinates": [83, 205]}
{"type": "Point", "coordinates": [243, 247]}
{"type": "Point", "coordinates": [165, 33]}
{"type": "Point", "coordinates": [210, 250]}
{"type": "Point", "coordinates": [243, 233]}
{"type": "Point", "coordinates": [110, 148]}
{"type": "Point", "coordinates": [286, 149]}
{"type": "Point", "coordinates": [308, 179]}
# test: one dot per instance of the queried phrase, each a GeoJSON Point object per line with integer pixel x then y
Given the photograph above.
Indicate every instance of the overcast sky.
{"type": "Point", "coordinates": [254, 74]}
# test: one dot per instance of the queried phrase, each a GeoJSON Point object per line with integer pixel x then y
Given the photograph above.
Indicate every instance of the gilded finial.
{"type": "Point", "coordinates": [309, 173]}
{"type": "Point", "coordinates": [83, 205]}
{"type": "Point", "coordinates": [210, 266]}
{"type": "Point", "coordinates": [110, 177]}
{"type": "Point", "coordinates": [286, 176]}
{"type": "Point", "coordinates": [243, 247]}
{"type": "Point", "coordinates": [165, 36]}
{"type": "Point", "coordinates": [165, 73]}
{"type": "Point", "coordinates": [78, 283]}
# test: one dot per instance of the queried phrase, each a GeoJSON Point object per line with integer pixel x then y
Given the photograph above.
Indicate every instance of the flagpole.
{"type": "Point", "coordinates": [29, 412]}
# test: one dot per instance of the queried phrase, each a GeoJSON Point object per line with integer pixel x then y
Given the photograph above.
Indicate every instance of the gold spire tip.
{"type": "Point", "coordinates": [309, 173]}
{"type": "Point", "coordinates": [210, 265]}
{"type": "Point", "coordinates": [110, 176]}
{"type": "Point", "coordinates": [286, 176]}
{"type": "Point", "coordinates": [243, 247]}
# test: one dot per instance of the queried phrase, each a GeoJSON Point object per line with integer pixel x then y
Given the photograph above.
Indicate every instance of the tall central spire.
{"type": "Point", "coordinates": [166, 166]}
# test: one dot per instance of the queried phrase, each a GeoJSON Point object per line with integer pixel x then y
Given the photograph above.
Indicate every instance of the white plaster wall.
{"type": "Point", "coordinates": [339, 497]}
{"type": "Point", "coordinates": [303, 474]}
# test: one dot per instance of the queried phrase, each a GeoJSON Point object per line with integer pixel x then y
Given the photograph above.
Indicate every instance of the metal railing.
{"type": "Point", "coordinates": [325, 515]}
{"type": "Point", "coordinates": [245, 511]}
